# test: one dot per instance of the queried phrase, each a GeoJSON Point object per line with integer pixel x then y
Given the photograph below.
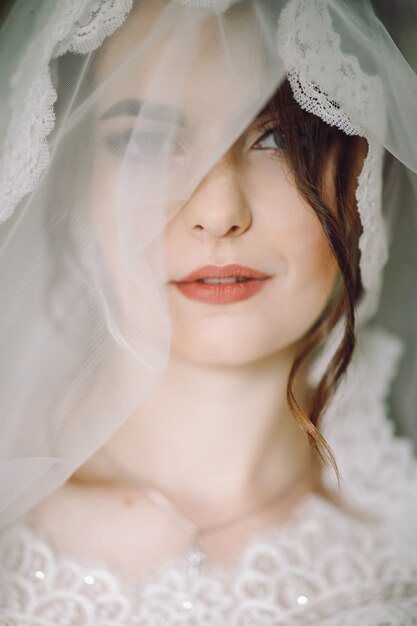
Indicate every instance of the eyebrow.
{"type": "Point", "coordinates": [131, 107]}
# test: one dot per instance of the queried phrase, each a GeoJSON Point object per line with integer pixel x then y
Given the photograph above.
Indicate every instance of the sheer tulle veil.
{"type": "Point", "coordinates": [85, 334]}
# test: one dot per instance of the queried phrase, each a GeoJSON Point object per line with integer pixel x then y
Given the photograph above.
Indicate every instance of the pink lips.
{"type": "Point", "coordinates": [249, 282]}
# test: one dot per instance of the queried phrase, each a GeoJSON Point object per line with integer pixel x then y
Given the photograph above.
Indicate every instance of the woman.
{"type": "Point", "coordinates": [190, 436]}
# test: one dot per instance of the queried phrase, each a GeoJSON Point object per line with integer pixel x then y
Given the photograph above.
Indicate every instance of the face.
{"type": "Point", "coordinates": [245, 269]}
{"type": "Point", "coordinates": [247, 211]}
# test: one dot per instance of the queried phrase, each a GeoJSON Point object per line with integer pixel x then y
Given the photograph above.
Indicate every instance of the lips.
{"type": "Point", "coordinates": [225, 284]}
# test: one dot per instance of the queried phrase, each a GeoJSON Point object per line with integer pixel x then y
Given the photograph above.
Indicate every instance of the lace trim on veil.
{"type": "Point", "coordinates": [78, 27]}
{"type": "Point", "coordinates": [316, 67]}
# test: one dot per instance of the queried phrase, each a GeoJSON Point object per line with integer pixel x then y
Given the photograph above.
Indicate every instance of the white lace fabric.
{"type": "Point", "coordinates": [78, 27]}
{"type": "Point", "coordinates": [325, 567]}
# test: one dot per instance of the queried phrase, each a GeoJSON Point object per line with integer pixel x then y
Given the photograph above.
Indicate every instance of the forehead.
{"type": "Point", "coordinates": [201, 63]}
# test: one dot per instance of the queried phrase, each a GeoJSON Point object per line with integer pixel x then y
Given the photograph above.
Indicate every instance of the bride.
{"type": "Point", "coordinates": [196, 218]}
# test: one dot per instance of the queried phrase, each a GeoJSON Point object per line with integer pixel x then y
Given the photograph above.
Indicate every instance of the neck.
{"type": "Point", "coordinates": [214, 436]}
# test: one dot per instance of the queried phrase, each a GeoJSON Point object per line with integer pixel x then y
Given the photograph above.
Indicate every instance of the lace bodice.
{"type": "Point", "coordinates": [326, 566]}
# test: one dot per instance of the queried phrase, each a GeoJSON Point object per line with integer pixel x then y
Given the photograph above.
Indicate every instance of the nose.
{"type": "Point", "coordinates": [218, 207]}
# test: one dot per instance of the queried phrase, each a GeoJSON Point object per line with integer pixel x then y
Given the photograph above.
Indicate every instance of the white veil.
{"type": "Point", "coordinates": [85, 328]}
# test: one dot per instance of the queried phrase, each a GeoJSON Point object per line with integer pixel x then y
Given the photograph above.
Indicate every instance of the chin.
{"type": "Point", "coordinates": [228, 342]}
{"type": "Point", "coordinates": [216, 354]}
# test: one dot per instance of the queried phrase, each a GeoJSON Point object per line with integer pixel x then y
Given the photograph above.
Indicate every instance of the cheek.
{"type": "Point", "coordinates": [308, 268]}
{"type": "Point", "coordinates": [294, 233]}
{"type": "Point", "coordinates": [309, 283]}
{"type": "Point", "coordinates": [311, 266]}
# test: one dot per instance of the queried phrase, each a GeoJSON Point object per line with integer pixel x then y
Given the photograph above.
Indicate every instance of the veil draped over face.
{"type": "Point", "coordinates": [112, 112]}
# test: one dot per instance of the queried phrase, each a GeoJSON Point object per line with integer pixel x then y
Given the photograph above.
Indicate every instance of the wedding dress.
{"type": "Point", "coordinates": [68, 361]}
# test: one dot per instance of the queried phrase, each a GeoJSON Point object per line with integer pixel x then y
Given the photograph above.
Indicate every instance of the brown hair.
{"type": "Point", "coordinates": [310, 145]}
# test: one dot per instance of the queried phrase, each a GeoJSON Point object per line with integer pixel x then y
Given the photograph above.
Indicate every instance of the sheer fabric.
{"type": "Point", "coordinates": [85, 327]}
{"type": "Point", "coordinates": [342, 64]}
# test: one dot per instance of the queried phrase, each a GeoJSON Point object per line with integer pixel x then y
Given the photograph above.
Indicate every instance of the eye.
{"type": "Point", "coordinates": [147, 144]}
{"type": "Point", "coordinates": [272, 138]}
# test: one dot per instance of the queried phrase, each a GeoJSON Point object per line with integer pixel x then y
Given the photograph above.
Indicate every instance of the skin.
{"type": "Point", "coordinates": [215, 434]}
